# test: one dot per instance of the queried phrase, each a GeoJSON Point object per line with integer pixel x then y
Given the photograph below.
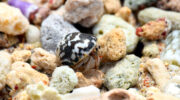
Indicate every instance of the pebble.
{"type": "Point", "coordinates": [43, 60]}
{"type": "Point", "coordinates": [112, 45]}
{"type": "Point", "coordinates": [31, 11]}
{"type": "Point", "coordinates": [171, 53]}
{"type": "Point", "coordinates": [157, 69]}
{"type": "Point", "coordinates": [124, 73]}
{"type": "Point", "coordinates": [21, 55]}
{"type": "Point", "coordinates": [53, 4]}
{"type": "Point", "coordinates": [82, 80]}
{"type": "Point", "coordinates": [37, 2]}
{"type": "Point", "coordinates": [21, 96]}
{"type": "Point", "coordinates": [109, 22]}
{"type": "Point", "coordinates": [7, 40]}
{"type": "Point", "coordinates": [173, 5]}
{"type": "Point", "coordinates": [173, 89]}
{"type": "Point", "coordinates": [151, 50]}
{"type": "Point", "coordinates": [112, 6]}
{"type": "Point", "coordinates": [126, 14]}
{"type": "Point", "coordinates": [53, 29]}
{"type": "Point", "coordinates": [120, 94]}
{"type": "Point", "coordinates": [155, 30]}
{"type": "Point", "coordinates": [22, 75]}
{"type": "Point", "coordinates": [162, 96]}
{"type": "Point", "coordinates": [85, 12]}
{"type": "Point", "coordinates": [5, 66]}
{"type": "Point", "coordinates": [90, 77]}
{"type": "Point", "coordinates": [64, 79]}
{"type": "Point", "coordinates": [135, 4]}
{"type": "Point", "coordinates": [12, 20]}
{"type": "Point", "coordinates": [84, 93]}
{"type": "Point", "coordinates": [152, 13]}
{"type": "Point", "coordinates": [32, 34]}
{"type": "Point", "coordinates": [40, 91]}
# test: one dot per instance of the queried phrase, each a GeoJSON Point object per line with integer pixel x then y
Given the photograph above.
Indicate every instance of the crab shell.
{"type": "Point", "coordinates": [76, 49]}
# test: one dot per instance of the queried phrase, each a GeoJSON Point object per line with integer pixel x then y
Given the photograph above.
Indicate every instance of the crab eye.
{"type": "Point", "coordinates": [96, 49]}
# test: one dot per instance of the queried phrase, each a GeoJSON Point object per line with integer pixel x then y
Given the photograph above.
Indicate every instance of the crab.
{"type": "Point", "coordinates": [79, 51]}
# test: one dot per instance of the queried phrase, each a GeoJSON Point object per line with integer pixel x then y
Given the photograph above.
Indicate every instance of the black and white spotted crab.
{"type": "Point", "coordinates": [79, 50]}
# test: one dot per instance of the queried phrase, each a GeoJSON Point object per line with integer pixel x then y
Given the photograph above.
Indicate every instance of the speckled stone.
{"type": "Point", "coordinates": [53, 29]}
{"type": "Point", "coordinates": [124, 73]}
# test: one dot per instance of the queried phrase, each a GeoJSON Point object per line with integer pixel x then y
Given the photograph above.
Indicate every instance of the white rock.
{"type": "Point", "coordinates": [171, 53]}
{"type": "Point", "coordinates": [33, 34]}
{"type": "Point", "coordinates": [64, 79]}
{"type": "Point", "coordinates": [173, 89]}
{"type": "Point", "coordinates": [12, 21]}
{"type": "Point", "coordinates": [5, 65]}
{"type": "Point", "coordinates": [42, 92]}
{"type": "Point", "coordinates": [83, 93]}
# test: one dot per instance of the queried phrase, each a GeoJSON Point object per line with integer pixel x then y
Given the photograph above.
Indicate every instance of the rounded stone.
{"type": "Point", "coordinates": [53, 29]}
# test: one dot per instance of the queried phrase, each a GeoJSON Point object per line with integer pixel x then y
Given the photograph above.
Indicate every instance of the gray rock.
{"type": "Point", "coordinates": [53, 29]}
{"type": "Point", "coordinates": [134, 4]}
